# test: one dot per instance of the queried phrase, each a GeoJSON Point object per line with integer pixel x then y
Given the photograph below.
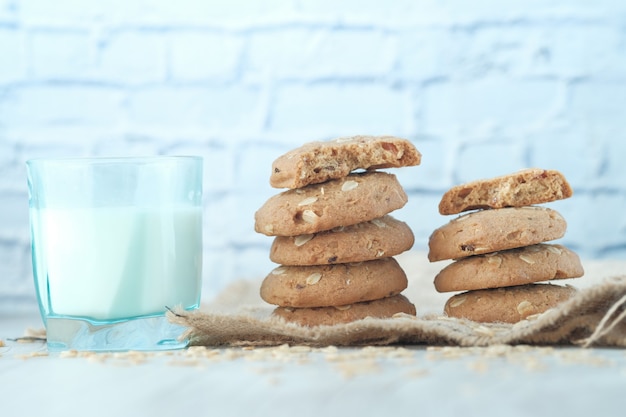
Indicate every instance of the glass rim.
{"type": "Point", "coordinates": [112, 159]}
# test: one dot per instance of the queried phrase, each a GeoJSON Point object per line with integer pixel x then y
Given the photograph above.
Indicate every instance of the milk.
{"type": "Point", "coordinates": [112, 263]}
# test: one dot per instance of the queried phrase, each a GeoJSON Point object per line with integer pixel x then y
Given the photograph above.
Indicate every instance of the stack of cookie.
{"type": "Point", "coordinates": [334, 237]}
{"type": "Point", "coordinates": [499, 250]}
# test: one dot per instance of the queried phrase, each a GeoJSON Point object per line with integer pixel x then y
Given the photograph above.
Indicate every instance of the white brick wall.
{"type": "Point", "coordinates": [482, 88]}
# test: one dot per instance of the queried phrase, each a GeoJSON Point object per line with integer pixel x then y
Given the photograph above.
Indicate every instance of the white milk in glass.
{"type": "Point", "coordinates": [110, 263]}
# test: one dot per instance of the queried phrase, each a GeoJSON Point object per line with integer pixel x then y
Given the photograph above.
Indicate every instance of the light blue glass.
{"type": "Point", "coordinates": [115, 242]}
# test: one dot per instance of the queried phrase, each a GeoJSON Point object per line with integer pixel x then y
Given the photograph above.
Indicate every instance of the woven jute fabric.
{"type": "Point", "coordinates": [595, 316]}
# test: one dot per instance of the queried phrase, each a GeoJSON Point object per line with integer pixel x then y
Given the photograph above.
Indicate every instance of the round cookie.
{"type": "Point", "coordinates": [382, 237]}
{"type": "Point", "coordinates": [488, 231]}
{"type": "Point", "coordinates": [536, 263]}
{"type": "Point", "coordinates": [317, 162]}
{"type": "Point", "coordinates": [343, 202]}
{"type": "Point", "coordinates": [523, 188]}
{"type": "Point", "coordinates": [327, 316]}
{"type": "Point", "coordinates": [507, 305]}
{"type": "Point", "coordinates": [333, 285]}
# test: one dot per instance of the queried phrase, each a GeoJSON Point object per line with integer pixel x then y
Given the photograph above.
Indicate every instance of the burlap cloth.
{"type": "Point", "coordinates": [595, 316]}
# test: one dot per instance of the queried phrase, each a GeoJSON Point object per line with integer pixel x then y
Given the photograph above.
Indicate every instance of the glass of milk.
{"type": "Point", "coordinates": [115, 243]}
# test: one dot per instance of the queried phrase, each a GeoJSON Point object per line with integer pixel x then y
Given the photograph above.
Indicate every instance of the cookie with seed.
{"type": "Point", "coordinates": [507, 305]}
{"type": "Point", "coordinates": [378, 238]}
{"type": "Point", "coordinates": [333, 285]}
{"type": "Point", "coordinates": [346, 201]}
{"type": "Point", "coordinates": [535, 263]}
{"type": "Point", "coordinates": [328, 316]}
{"type": "Point", "coordinates": [523, 188]}
{"type": "Point", "coordinates": [487, 231]}
{"type": "Point", "coordinates": [317, 162]}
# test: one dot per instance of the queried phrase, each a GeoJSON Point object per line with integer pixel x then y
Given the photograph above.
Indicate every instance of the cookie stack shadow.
{"type": "Point", "coordinates": [500, 261]}
{"type": "Point", "coordinates": [334, 239]}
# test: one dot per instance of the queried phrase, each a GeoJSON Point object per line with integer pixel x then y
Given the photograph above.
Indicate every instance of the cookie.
{"type": "Point", "coordinates": [378, 238]}
{"type": "Point", "coordinates": [317, 162]}
{"type": "Point", "coordinates": [333, 285]}
{"type": "Point", "coordinates": [507, 305]}
{"type": "Point", "coordinates": [523, 188]}
{"type": "Point", "coordinates": [328, 316]}
{"type": "Point", "coordinates": [512, 267]}
{"type": "Point", "coordinates": [350, 200]}
{"type": "Point", "coordinates": [488, 231]}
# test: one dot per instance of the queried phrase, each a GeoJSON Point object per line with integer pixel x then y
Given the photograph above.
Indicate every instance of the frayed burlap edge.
{"type": "Point", "coordinates": [595, 316]}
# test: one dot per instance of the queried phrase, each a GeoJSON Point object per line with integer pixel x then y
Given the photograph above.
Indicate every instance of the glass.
{"type": "Point", "coordinates": [115, 242]}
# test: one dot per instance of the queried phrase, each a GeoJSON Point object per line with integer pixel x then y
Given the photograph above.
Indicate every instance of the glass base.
{"type": "Point", "coordinates": [142, 333]}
